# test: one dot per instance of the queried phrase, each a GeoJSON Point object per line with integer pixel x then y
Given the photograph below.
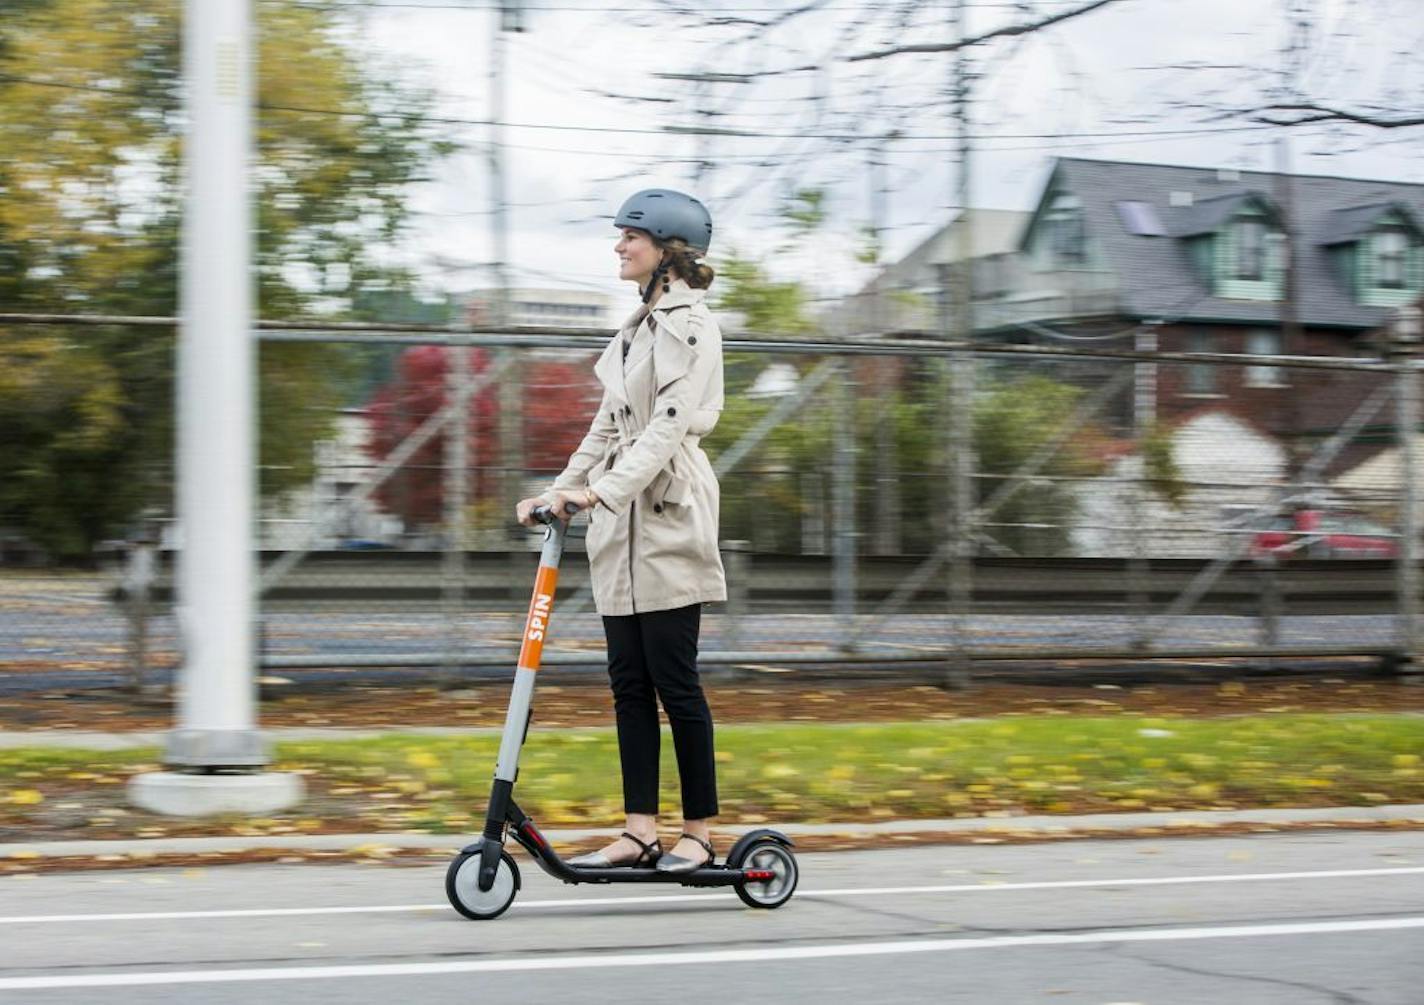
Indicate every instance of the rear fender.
{"type": "Point", "coordinates": [739, 850]}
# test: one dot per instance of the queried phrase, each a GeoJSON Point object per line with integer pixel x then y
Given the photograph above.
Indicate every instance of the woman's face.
{"type": "Point", "coordinates": [638, 256]}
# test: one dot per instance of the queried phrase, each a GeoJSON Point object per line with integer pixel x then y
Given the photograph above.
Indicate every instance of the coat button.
{"type": "Point", "coordinates": [626, 409]}
{"type": "Point", "coordinates": [692, 340]}
{"type": "Point", "coordinates": [657, 507]}
{"type": "Point", "coordinates": [671, 410]}
{"type": "Point", "coordinates": [613, 416]}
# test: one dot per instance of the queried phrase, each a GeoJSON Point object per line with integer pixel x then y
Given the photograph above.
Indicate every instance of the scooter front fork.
{"type": "Point", "coordinates": [499, 804]}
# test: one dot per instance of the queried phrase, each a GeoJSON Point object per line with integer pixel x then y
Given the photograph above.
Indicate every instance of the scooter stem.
{"type": "Point", "coordinates": [516, 720]}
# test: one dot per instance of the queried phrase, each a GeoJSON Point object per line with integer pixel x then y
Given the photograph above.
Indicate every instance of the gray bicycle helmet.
{"type": "Point", "coordinates": [665, 214]}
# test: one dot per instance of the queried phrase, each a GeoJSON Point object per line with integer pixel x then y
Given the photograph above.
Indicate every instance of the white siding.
{"type": "Point", "coordinates": [1228, 467]}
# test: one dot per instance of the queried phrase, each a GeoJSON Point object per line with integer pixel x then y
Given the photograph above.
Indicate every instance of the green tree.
{"type": "Point", "coordinates": [89, 222]}
{"type": "Point", "coordinates": [1013, 420]}
{"type": "Point", "coordinates": [766, 498]}
{"type": "Point", "coordinates": [764, 501]}
{"type": "Point", "coordinates": [62, 411]}
{"type": "Point", "coordinates": [803, 211]}
{"type": "Point", "coordinates": [766, 306]}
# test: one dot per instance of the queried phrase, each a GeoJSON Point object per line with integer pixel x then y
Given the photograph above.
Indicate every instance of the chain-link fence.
{"type": "Point", "coordinates": [884, 501]}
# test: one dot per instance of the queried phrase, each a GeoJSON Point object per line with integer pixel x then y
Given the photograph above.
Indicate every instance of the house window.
{"type": "Point", "coordinates": [1251, 250]}
{"type": "Point", "coordinates": [1066, 241]}
{"type": "Point", "coordinates": [1264, 342]}
{"type": "Point", "coordinates": [1201, 377]}
{"type": "Point", "coordinates": [1141, 218]}
{"type": "Point", "coordinates": [1391, 258]}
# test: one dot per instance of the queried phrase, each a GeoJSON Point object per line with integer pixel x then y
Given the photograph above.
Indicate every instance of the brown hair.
{"type": "Point", "coordinates": [683, 260]}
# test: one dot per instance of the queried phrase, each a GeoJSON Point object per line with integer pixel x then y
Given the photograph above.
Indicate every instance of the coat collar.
{"type": "Point", "coordinates": [679, 294]}
{"type": "Point", "coordinates": [673, 356]}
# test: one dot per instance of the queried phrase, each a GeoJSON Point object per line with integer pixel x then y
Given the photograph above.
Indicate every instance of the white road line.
{"type": "Point", "coordinates": [852, 891]}
{"type": "Point", "coordinates": [767, 955]}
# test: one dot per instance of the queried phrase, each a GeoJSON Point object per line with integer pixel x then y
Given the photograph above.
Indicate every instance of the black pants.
{"type": "Point", "coordinates": [654, 656]}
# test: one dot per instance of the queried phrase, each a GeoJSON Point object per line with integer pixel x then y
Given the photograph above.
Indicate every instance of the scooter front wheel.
{"type": "Point", "coordinates": [775, 858]}
{"type": "Point", "coordinates": [463, 888]}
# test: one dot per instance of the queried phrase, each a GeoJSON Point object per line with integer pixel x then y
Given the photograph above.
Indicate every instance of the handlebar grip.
{"type": "Point", "coordinates": [545, 514]}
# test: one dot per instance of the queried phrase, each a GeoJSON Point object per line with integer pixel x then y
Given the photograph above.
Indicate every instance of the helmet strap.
{"type": "Point", "coordinates": [660, 273]}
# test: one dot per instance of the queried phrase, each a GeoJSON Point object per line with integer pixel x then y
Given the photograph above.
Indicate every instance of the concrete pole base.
{"type": "Point", "coordinates": [180, 795]}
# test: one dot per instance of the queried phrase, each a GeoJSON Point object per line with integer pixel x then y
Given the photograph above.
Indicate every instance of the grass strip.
{"type": "Point", "coordinates": [820, 772]}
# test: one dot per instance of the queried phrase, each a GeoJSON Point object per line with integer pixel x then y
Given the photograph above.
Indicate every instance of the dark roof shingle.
{"type": "Point", "coordinates": [1156, 276]}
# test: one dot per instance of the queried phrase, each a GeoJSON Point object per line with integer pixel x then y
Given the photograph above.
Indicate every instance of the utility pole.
{"type": "Point", "coordinates": [703, 164]}
{"type": "Point", "coordinates": [1404, 342]}
{"type": "Point", "coordinates": [510, 483]}
{"type": "Point", "coordinates": [886, 537]}
{"type": "Point", "coordinates": [1290, 344]}
{"type": "Point", "coordinates": [511, 19]}
{"type": "Point", "coordinates": [215, 748]}
{"type": "Point", "coordinates": [1144, 421]}
{"type": "Point", "coordinates": [456, 493]}
{"type": "Point", "coordinates": [961, 404]}
{"type": "Point", "coordinates": [843, 541]}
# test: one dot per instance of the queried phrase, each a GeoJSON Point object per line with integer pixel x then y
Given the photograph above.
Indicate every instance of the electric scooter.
{"type": "Point", "coordinates": [483, 879]}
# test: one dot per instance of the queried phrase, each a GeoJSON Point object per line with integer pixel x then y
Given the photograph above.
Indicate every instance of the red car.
{"type": "Point", "coordinates": [1313, 533]}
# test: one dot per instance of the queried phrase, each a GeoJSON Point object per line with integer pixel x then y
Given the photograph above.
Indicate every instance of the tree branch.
{"type": "Point", "coordinates": [1013, 29]}
{"type": "Point", "coordinates": [1304, 113]}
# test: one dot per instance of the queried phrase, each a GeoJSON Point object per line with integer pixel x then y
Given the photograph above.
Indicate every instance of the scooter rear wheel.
{"type": "Point", "coordinates": [463, 888]}
{"type": "Point", "coordinates": [777, 859]}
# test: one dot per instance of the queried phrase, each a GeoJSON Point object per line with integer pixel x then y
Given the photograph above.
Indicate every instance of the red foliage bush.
{"type": "Point", "coordinates": [559, 396]}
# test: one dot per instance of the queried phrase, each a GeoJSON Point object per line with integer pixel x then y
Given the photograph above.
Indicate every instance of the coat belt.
{"type": "Point", "coordinates": [626, 442]}
{"type": "Point", "coordinates": [690, 441]}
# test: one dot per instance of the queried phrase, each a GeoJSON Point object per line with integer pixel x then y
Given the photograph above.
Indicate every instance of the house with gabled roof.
{"type": "Point", "coordinates": [1184, 244]}
{"type": "Point", "coordinates": [907, 295]}
{"type": "Point", "coordinates": [1198, 257]}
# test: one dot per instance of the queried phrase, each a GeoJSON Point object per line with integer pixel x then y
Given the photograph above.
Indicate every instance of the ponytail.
{"type": "Point", "coordinates": [683, 260]}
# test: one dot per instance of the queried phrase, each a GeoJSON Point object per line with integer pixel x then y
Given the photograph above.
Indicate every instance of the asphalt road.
{"type": "Point", "coordinates": [1298, 919]}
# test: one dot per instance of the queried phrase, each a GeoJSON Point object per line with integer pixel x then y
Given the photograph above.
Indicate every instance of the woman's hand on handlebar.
{"type": "Point", "coordinates": [565, 505]}
{"type": "Point", "coordinates": [524, 511]}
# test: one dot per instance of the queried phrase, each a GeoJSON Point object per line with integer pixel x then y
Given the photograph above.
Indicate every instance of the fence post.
{"type": "Point", "coordinates": [139, 571]}
{"type": "Point", "coordinates": [1404, 345]}
{"type": "Point", "coordinates": [843, 540]}
{"type": "Point", "coordinates": [885, 534]}
{"type": "Point", "coordinates": [457, 481]}
{"type": "Point", "coordinates": [1268, 572]}
{"type": "Point", "coordinates": [1144, 417]}
{"type": "Point", "coordinates": [510, 484]}
{"type": "Point", "coordinates": [813, 519]}
{"type": "Point", "coordinates": [735, 556]}
{"type": "Point", "coordinates": [961, 494]}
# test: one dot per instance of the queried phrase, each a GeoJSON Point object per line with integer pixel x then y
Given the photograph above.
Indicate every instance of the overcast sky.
{"type": "Point", "coordinates": [1103, 85]}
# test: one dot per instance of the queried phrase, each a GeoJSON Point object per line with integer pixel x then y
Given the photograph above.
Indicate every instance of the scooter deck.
{"type": "Point", "coordinates": [715, 875]}
{"type": "Point", "coordinates": [523, 831]}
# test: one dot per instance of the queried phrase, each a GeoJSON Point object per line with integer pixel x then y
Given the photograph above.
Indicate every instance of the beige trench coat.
{"type": "Point", "coordinates": [652, 539]}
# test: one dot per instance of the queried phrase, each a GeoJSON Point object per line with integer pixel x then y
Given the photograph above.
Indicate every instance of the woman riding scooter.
{"type": "Point", "coordinates": [653, 512]}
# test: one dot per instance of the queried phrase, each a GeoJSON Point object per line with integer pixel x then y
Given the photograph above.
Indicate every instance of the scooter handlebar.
{"type": "Point", "coordinates": [545, 514]}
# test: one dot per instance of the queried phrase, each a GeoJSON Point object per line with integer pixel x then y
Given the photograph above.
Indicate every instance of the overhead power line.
{"type": "Point", "coordinates": [645, 9]}
{"type": "Point", "coordinates": [846, 137]}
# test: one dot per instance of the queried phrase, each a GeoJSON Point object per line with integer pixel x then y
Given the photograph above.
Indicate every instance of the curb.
{"type": "Point", "coordinates": [65, 739]}
{"type": "Point", "coordinates": [1342, 817]}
